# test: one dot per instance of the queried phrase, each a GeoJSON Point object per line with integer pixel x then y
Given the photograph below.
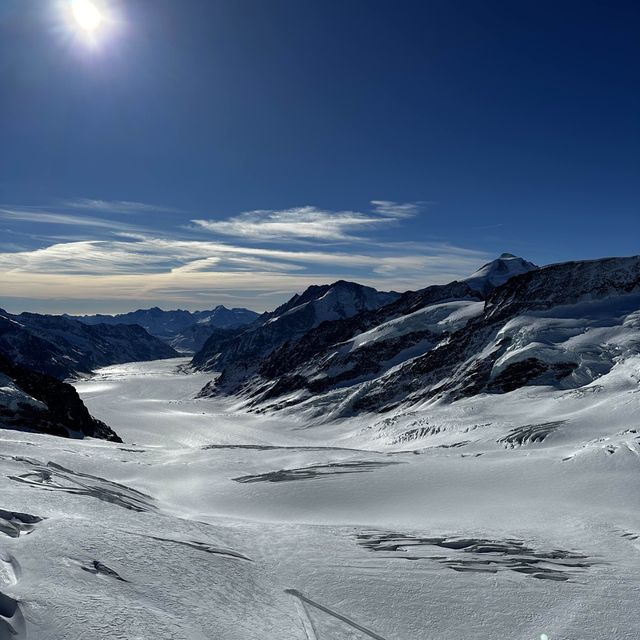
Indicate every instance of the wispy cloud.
{"type": "Point", "coordinates": [102, 259]}
{"type": "Point", "coordinates": [310, 223]}
{"type": "Point", "coordinates": [398, 210]}
{"type": "Point", "coordinates": [116, 256]}
{"type": "Point", "coordinates": [116, 206]}
{"type": "Point", "coordinates": [147, 268]}
{"type": "Point", "coordinates": [47, 217]}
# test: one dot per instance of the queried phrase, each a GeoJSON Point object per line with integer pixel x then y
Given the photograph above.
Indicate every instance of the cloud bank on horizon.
{"type": "Point", "coordinates": [89, 255]}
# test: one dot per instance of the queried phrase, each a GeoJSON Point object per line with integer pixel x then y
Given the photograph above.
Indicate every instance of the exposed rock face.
{"type": "Point", "coordinates": [63, 347]}
{"type": "Point", "coordinates": [317, 340]}
{"type": "Point", "coordinates": [516, 341]}
{"type": "Point", "coordinates": [563, 325]}
{"type": "Point", "coordinates": [565, 283]}
{"type": "Point", "coordinates": [32, 401]}
{"type": "Point", "coordinates": [289, 322]}
{"type": "Point", "coordinates": [529, 371]}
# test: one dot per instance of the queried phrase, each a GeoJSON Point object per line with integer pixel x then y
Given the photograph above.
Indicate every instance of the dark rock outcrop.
{"type": "Point", "coordinates": [37, 402]}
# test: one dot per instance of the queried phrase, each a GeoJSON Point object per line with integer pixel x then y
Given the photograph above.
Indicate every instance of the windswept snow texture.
{"type": "Point", "coordinates": [507, 516]}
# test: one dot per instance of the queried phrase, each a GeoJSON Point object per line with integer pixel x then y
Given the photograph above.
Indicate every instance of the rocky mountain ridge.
{"type": "Point", "coordinates": [561, 325]}
{"type": "Point", "coordinates": [317, 304]}
{"type": "Point", "coordinates": [63, 347]}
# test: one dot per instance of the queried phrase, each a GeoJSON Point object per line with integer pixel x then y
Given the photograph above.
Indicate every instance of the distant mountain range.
{"type": "Point", "coordinates": [509, 325]}
{"type": "Point", "coordinates": [341, 349]}
{"type": "Point", "coordinates": [38, 352]}
{"type": "Point", "coordinates": [63, 347]}
{"type": "Point", "coordinates": [185, 331]}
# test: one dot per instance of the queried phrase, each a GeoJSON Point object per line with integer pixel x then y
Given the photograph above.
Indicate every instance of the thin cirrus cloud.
{"type": "Point", "coordinates": [17, 215]}
{"type": "Point", "coordinates": [140, 252]}
{"type": "Point", "coordinates": [145, 267]}
{"type": "Point", "coordinates": [116, 206]}
{"type": "Point", "coordinates": [109, 260]}
{"type": "Point", "coordinates": [310, 223]}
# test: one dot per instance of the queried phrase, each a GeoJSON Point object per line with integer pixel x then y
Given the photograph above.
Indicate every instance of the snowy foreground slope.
{"type": "Point", "coordinates": [507, 517]}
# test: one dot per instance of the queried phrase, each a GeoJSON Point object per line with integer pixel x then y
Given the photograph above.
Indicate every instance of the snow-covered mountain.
{"type": "Point", "coordinates": [563, 325]}
{"type": "Point", "coordinates": [185, 331]}
{"type": "Point", "coordinates": [317, 304]}
{"type": "Point", "coordinates": [326, 355]}
{"type": "Point", "coordinates": [325, 347]}
{"type": "Point", "coordinates": [223, 318]}
{"type": "Point", "coordinates": [64, 347]}
{"type": "Point", "coordinates": [497, 272]}
{"type": "Point", "coordinates": [36, 402]}
{"type": "Point", "coordinates": [192, 338]}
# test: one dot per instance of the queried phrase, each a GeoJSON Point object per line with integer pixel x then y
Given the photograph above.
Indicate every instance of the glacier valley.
{"type": "Point", "coordinates": [512, 517]}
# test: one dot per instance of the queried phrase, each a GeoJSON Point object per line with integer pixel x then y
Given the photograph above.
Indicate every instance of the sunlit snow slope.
{"type": "Point", "coordinates": [506, 517]}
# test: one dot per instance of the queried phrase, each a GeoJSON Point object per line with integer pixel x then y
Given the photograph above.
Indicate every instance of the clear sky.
{"type": "Point", "coordinates": [195, 152]}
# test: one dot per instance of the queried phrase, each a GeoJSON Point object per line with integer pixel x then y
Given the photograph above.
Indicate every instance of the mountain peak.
{"type": "Point", "coordinates": [498, 271]}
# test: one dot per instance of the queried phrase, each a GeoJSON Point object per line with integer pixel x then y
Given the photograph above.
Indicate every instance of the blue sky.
{"type": "Point", "coordinates": [197, 152]}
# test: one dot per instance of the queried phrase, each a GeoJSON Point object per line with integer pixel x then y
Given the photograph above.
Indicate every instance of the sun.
{"type": "Point", "coordinates": [86, 15]}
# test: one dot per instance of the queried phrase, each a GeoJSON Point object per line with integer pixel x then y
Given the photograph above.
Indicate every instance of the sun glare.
{"type": "Point", "coordinates": [86, 15]}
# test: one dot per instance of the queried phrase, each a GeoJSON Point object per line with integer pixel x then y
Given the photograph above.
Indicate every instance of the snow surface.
{"type": "Point", "coordinates": [446, 316]}
{"type": "Point", "coordinates": [496, 517]}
